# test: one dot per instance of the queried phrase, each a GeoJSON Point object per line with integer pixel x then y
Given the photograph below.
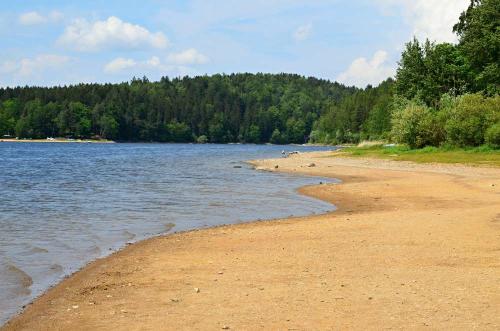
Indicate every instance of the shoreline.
{"type": "Point", "coordinates": [179, 272]}
{"type": "Point", "coordinates": [57, 140]}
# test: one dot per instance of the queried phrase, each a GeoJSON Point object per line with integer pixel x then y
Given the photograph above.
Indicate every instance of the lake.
{"type": "Point", "coordinates": [64, 205]}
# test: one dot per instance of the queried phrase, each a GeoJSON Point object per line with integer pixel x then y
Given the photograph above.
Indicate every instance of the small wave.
{"type": "Point", "coordinates": [129, 235]}
{"type": "Point", "coordinates": [56, 268]}
{"type": "Point", "coordinates": [94, 250]}
{"type": "Point", "coordinates": [35, 250]}
{"type": "Point", "coordinates": [24, 279]}
{"type": "Point", "coordinates": [15, 280]}
{"type": "Point", "coordinates": [169, 226]}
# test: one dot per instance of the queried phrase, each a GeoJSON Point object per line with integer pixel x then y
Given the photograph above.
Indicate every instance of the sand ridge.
{"type": "Point", "coordinates": [410, 247]}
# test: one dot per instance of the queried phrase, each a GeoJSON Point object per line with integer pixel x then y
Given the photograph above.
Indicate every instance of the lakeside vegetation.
{"type": "Point", "coordinates": [253, 108]}
{"type": "Point", "coordinates": [483, 155]}
{"type": "Point", "coordinates": [443, 95]}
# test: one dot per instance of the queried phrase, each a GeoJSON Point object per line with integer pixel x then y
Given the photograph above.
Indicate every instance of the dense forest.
{"type": "Point", "coordinates": [442, 94]}
{"type": "Point", "coordinates": [221, 108]}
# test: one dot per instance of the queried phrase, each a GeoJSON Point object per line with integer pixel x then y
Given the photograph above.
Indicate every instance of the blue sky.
{"type": "Point", "coordinates": [356, 42]}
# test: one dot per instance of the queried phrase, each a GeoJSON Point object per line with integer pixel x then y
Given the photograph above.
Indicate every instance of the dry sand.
{"type": "Point", "coordinates": [410, 247]}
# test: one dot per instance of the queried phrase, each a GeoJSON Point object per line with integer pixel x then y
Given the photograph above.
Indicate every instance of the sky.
{"type": "Point", "coordinates": [356, 42]}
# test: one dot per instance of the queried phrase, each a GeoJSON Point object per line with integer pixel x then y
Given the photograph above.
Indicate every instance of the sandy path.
{"type": "Point", "coordinates": [411, 247]}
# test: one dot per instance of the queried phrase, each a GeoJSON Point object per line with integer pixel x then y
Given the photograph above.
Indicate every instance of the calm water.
{"type": "Point", "coordinates": [63, 205]}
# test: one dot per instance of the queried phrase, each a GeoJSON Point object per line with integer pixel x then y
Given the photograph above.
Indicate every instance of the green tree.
{"type": "Point", "coordinates": [296, 131]}
{"type": "Point", "coordinates": [411, 71]}
{"type": "Point", "coordinates": [428, 70]}
{"type": "Point", "coordinates": [109, 127]}
{"type": "Point", "coordinates": [278, 138]}
{"type": "Point", "coordinates": [7, 123]}
{"type": "Point", "coordinates": [253, 134]}
{"type": "Point", "coordinates": [179, 132]}
{"type": "Point", "coordinates": [479, 31]}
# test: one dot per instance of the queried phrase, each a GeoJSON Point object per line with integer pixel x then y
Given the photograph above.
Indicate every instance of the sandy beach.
{"type": "Point", "coordinates": [410, 247]}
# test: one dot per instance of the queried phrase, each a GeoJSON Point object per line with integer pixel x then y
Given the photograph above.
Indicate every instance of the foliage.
{"type": "Point", "coordinates": [178, 132]}
{"type": "Point", "coordinates": [365, 112]}
{"type": "Point", "coordinates": [478, 29]}
{"type": "Point", "coordinates": [413, 125]}
{"type": "Point", "coordinates": [468, 121]}
{"type": "Point", "coordinates": [224, 108]}
{"type": "Point", "coordinates": [202, 139]}
{"type": "Point", "coordinates": [428, 70]}
{"type": "Point", "coordinates": [492, 136]}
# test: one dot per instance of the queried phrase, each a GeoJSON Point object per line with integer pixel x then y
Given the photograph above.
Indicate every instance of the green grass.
{"type": "Point", "coordinates": [484, 156]}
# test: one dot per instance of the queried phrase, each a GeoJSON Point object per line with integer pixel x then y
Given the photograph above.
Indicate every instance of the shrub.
{"type": "Point", "coordinates": [417, 126]}
{"type": "Point", "coordinates": [470, 118]}
{"type": "Point", "coordinates": [202, 139]}
{"type": "Point", "coordinates": [492, 136]}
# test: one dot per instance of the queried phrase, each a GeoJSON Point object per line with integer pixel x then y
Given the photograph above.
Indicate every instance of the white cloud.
{"type": "Point", "coordinates": [187, 57]}
{"type": "Point", "coordinates": [28, 67]}
{"type": "Point", "coordinates": [119, 64]}
{"type": "Point", "coordinates": [56, 16]}
{"type": "Point", "coordinates": [303, 32]}
{"type": "Point", "coordinates": [82, 35]}
{"type": "Point", "coordinates": [31, 18]}
{"type": "Point", "coordinates": [362, 72]}
{"type": "Point", "coordinates": [429, 19]}
{"type": "Point", "coordinates": [153, 65]}
{"type": "Point", "coordinates": [35, 18]}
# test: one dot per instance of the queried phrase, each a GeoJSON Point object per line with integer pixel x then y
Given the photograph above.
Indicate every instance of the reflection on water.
{"type": "Point", "coordinates": [66, 204]}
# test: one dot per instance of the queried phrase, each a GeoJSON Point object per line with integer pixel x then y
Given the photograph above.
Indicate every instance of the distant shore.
{"type": "Point", "coordinates": [57, 140]}
{"type": "Point", "coordinates": [410, 246]}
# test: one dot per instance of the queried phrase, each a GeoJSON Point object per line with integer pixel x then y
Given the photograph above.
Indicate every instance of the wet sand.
{"type": "Point", "coordinates": [410, 247]}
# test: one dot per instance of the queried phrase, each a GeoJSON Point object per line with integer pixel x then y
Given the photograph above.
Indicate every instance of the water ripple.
{"type": "Point", "coordinates": [66, 204]}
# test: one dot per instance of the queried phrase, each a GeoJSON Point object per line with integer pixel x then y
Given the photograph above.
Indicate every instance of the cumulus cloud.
{"type": "Point", "coordinates": [187, 57]}
{"type": "Point", "coordinates": [303, 32]}
{"type": "Point", "coordinates": [27, 67]}
{"type": "Point", "coordinates": [35, 18]}
{"type": "Point", "coordinates": [429, 19]}
{"type": "Point", "coordinates": [82, 35]}
{"type": "Point", "coordinates": [362, 71]}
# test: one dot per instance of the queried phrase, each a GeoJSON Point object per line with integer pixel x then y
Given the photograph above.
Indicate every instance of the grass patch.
{"type": "Point", "coordinates": [484, 155]}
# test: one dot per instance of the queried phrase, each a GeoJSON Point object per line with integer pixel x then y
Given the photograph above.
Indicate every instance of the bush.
{"type": "Point", "coordinates": [202, 139]}
{"type": "Point", "coordinates": [417, 126]}
{"type": "Point", "coordinates": [492, 136]}
{"type": "Point", "coordinates": [470, 118]}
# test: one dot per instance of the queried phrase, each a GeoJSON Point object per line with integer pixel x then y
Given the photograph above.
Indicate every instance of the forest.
{"type": "Point", "coordinates": [442, 94]}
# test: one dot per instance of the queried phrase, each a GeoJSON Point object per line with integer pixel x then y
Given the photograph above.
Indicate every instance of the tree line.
{"type": "Point", "coordinates": [252, 108]}
{"type": "Point", "coordinates": [442, 94]}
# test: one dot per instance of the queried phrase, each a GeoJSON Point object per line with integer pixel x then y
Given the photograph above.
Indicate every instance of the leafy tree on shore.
{"type": "Point", "coordinates": [479, 31]}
